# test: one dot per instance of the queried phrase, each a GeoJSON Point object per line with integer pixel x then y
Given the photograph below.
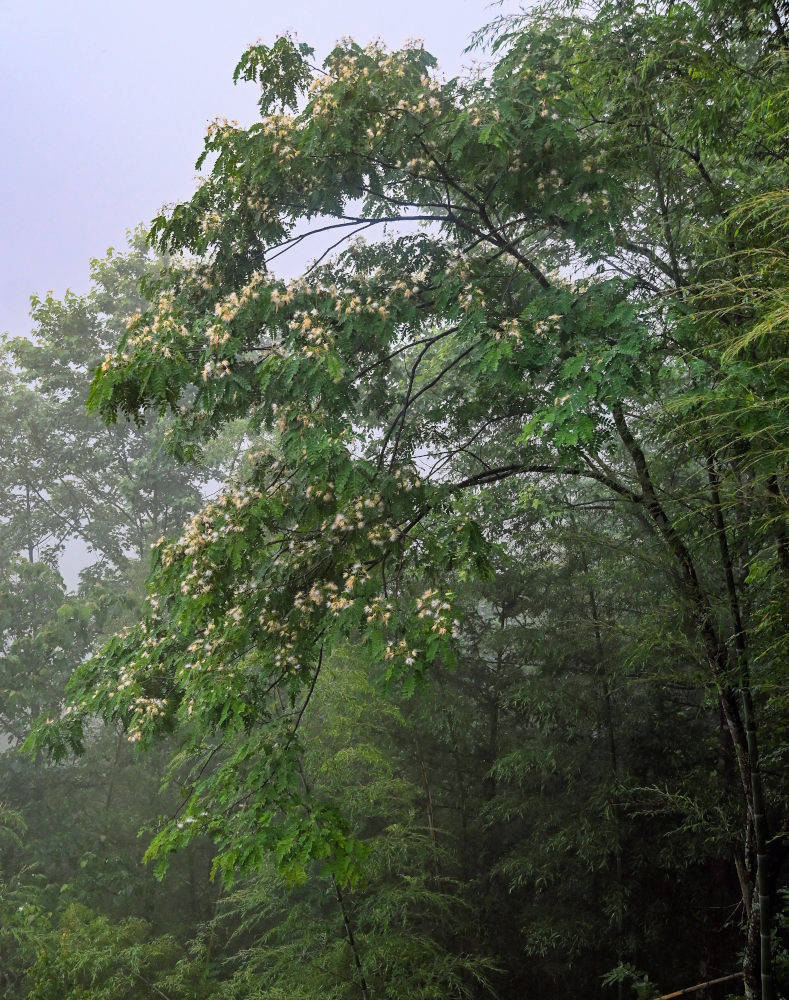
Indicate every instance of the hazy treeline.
{"type": "Point", "coordinates": [432, 627]}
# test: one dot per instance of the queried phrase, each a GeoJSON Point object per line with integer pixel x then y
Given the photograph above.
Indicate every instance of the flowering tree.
{"type": "Point", "coordinates": [504, 288]}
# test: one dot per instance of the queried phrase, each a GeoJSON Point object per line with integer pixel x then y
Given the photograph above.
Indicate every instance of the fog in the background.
{"type": "Point", "coordinates": [103, 108]}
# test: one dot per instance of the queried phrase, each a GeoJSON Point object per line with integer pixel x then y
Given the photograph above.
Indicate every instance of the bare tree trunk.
{"type": "Point", "coordinates": [363, 987]}
{"type": "Point", "coordinates": [612, 757]}
{"type": "Point", "coordinates": [741, 724]}
{"type": "Point", "coordinates": [28, 510]}
{"type": "Point", "coordinates": [760, 911]}
{"type": "Point", "coordinates": [428, 792]}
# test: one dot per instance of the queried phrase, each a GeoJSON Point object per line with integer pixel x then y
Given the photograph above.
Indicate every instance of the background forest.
{"type": "Point", "coordinates": [433, 626]}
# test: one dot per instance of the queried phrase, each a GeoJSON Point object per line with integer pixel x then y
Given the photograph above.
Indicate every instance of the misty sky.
{"type": "Point", "coordinates": [103, 108]}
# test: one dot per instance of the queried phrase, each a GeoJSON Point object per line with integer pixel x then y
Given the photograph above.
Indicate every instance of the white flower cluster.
{"type": "Point", "coordinates": [510, 330]}
{"type": "Point", "coordinates": [433, 608]}
{"type": "Point", "coordinates": [145, 711]}
{"type": "Point", "coordinates": [546, 326]}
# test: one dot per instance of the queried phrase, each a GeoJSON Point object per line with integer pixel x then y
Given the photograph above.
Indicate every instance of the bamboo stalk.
{"type": "Point", "coordinates": [700, 986]}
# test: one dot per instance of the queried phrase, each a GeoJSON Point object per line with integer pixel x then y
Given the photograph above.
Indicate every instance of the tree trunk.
{"type": "Point", "coordinates": [760, 911]}
{"type": "Point", "coordinates": [741, 723]}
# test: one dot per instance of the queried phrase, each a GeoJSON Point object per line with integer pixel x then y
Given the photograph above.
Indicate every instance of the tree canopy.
{"type": "Point", "coordinates": [543, 319]}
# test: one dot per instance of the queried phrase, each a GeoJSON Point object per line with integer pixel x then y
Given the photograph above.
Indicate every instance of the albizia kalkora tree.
{"type": "Point", "coordinates": [510, 283]}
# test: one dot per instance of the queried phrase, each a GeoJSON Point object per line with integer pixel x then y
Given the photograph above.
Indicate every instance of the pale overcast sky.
{"type": "Point", "coordinates": [103, 108]}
